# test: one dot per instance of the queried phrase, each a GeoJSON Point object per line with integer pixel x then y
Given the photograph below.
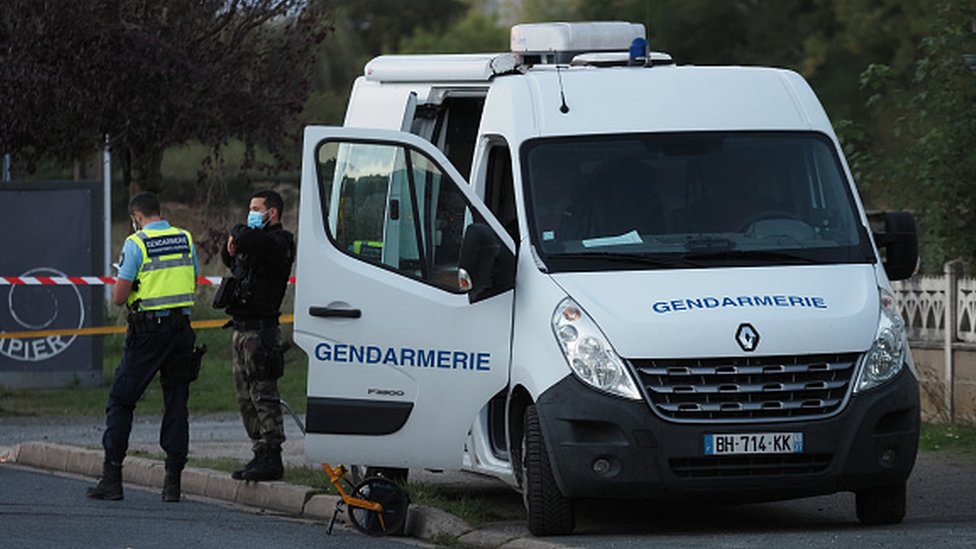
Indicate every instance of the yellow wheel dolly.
{"type": "Point", "coordinates": [377, 506]}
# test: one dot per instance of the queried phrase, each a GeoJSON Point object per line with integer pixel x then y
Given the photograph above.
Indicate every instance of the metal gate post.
{"type": "Point", "coordinates": [951, 270]}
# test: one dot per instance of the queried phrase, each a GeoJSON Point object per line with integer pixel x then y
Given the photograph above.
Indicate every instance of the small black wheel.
{"type": "Point", "coordinates": [391, 496]}
{"type": "Point", "coordinates": [877, 506]}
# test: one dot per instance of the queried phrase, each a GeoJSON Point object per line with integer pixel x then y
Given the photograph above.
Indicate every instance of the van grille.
{"type": "Point", "coordinates": [747, 388]}
{"type": "Point", "coordinates": [750, 466]}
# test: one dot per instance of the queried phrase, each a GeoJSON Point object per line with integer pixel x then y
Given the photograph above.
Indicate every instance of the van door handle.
{"type": "Point", "coordinates": [329, 312]}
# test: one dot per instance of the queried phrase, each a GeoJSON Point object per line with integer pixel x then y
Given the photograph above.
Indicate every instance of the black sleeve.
{"type": "Point", "coordinates": [235, 233]}
{"type": "Point", "coordinates": [225, 256]}
{"type": "Point", "coordinates": [261, 243]}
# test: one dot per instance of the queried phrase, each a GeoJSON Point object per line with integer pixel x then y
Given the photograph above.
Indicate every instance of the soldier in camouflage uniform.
{"type": "Point", "coordinates": [260, 256]}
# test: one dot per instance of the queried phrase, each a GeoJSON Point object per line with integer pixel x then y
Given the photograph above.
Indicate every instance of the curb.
{"type": "Point", "coordinates": [423, 522]}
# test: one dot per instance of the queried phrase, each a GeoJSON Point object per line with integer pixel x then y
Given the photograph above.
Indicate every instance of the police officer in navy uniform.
{"type": "Point", "coordinates": [260, 255]}
{"type": "Point", "coordinates": [157, 281]}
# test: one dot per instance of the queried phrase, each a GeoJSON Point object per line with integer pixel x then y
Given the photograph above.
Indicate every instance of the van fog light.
{"type": "Point", "coordinates": [888, 457]}
{"type": "Point", "coordinates": [601, 466]}
{"type": "Point", "coordinates": [588, 353]}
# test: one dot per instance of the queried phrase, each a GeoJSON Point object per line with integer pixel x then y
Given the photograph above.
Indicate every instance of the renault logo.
{"type": "Point", "coordinates": [747, 337]}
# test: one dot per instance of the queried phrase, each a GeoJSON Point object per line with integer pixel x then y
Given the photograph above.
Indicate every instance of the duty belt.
{"type": "Point", "coordinates": [149, 321]}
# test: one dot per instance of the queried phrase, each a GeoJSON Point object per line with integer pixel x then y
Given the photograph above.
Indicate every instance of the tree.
{"type": "Point", "coordinates": [363, 30]}
{"type": "Point", "coordinates": [475, 33]}
{"type": "Point", "coordinates": [382, 26]}
{"type": "Point", "coordinates": [928, 161]}
{"type": "Point", "coordinates": [152, 74]}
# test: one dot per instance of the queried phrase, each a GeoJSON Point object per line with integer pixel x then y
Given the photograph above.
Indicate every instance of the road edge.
{"type": "Point", "coordinates": [423, 522]}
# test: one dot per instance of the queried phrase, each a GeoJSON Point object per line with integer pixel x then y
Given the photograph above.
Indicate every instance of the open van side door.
{"type": "Point", "coordinates": [403, 303]}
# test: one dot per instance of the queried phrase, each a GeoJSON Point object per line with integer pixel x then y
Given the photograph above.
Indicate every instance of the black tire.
{"type": "Point", "coordinates": [391, 496]}
{"type": "Point", "coordinates": [549, 512]}
{"type": "Point", "coordinates": [877, 506]}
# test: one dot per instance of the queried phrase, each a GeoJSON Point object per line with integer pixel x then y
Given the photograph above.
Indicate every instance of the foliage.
{"type": "Point", "coordinates": [381, 28]}
{"type": "Point", "coordinates": [363, 30]}
{"type": "Point", "coordinates": [475, 33]}
{"type": "Point", "coordinates": [153, 74]}
{"type": "Point", "coordinates": [929, 161]}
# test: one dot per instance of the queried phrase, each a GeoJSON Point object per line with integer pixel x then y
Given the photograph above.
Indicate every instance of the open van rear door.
{"type": "Point", "coordinates": [403, 302]}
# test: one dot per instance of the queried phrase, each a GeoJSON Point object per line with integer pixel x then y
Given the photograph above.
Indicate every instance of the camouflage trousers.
{"type": "Point", "coordinates": [257, 399]}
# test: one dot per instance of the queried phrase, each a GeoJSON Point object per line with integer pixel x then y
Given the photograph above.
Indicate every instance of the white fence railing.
{"type": "Point", "coordinates": [922, 303]}
{"type": "Point", "coordinates": [940, 310]}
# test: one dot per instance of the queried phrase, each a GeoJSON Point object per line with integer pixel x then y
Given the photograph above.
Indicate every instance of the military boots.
{"type": "Point", "coordinates": [239, 474]}
{"type": "Point", "coordinates": [110, 485]}
{"type": "Point", "coordinates": [171, 486]}
{"type": "Point", "coordinates": [268, 466]}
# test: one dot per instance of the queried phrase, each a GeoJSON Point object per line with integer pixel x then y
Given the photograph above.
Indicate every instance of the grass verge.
{"type": "Point", "coordinates": [475, 510]}
{"type": "Point", "coordinates": [212, 393]}
{"type": "Point", "coordinates": [956, 439]}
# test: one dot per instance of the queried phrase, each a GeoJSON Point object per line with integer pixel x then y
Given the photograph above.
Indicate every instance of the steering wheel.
{"type": "Point", "coordinates": [768, 214]}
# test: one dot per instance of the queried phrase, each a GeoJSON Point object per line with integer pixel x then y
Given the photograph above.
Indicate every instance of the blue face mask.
{"type": "Point", "coordinates": [255, 220]}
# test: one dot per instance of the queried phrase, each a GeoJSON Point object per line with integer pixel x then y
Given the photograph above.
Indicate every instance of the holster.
{"type": "Point", "coordinates": [184, 369]}
{"type": "Point", "coordinates": [269, 358]}
{"type": "Point", "coordinates": [225, 293]}
{"type": "Point", "coordinates": [141, 323]}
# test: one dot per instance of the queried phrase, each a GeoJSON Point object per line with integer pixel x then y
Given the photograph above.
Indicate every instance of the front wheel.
{"type": "Point", "coordinates": [394, 501]}
{"type": "Point", "coordinates": [877, 506]}
{"type": "Point", "coordinates": [549, 512]}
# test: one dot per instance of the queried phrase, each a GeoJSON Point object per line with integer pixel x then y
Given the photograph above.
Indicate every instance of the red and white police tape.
{"type": "Point", "coordinates": [89, 280]}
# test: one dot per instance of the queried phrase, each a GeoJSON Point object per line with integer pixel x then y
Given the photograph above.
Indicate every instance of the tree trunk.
{"type": "Point", "coordinates": [142, 170]}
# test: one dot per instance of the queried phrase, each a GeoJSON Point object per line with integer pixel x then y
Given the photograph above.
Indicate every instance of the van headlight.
{"type": "Point", "coordinates": [887, 355]}
{"type": "Point", "coordinates": [588, 352]}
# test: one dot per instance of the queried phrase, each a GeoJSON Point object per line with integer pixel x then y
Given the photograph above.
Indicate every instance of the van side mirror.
{"type": "Point", "coordinates": [900, 242]}
{"type": "Point", "coordinates": [489, 265]}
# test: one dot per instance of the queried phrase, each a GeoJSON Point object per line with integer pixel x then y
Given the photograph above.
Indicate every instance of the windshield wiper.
{"type": "Point", "coordinates": [642, 259]}
{"type": "Point", "coordinates": [771, 256]}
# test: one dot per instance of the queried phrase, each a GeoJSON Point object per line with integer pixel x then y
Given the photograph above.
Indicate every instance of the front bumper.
{"type": "Point", "coordinates": [872, 442]}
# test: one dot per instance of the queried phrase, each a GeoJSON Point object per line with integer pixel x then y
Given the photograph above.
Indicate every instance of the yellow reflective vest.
{"type": "Point", "coordinates": [166, 277]}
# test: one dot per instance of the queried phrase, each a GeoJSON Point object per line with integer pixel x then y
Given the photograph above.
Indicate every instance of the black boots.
{"type": "Point", "coordinates": [266, 465]}
{"type": "Point", "coordinates": [239, 474]}
{"type": "Point", "coordinates": [171, 486]}
{"type": "Point", "coordinates": [110, 485]}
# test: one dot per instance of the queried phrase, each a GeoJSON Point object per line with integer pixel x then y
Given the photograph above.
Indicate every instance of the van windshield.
{"type": "Point", "coordinates": [676, 200]}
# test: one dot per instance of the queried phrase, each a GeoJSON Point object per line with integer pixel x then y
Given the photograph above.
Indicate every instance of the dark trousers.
{"type": "Point", "coordinates": [149, 348]}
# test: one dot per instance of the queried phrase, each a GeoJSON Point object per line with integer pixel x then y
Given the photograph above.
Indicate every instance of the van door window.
{"type": "Point", "coordinates": [452, 126]}
{"type": "Point", "coordinates": [500, 189]}
{"type": "Point", "coordinates": [392, 206]}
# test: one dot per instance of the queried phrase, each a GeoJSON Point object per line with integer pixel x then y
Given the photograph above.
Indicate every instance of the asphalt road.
{"type": "Point", "coordinates": [941, 513]}
{"type": "Point", "coordinates": [941, 506]}
{"type": "Point", "coordinates": [39, 509]}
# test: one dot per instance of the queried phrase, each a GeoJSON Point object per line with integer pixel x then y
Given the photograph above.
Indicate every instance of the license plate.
{"type": "Point", "coordinates": [753, 443]}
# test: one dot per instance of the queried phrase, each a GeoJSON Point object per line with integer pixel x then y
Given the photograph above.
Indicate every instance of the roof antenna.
{"type": "Point", "coordinates": [564, 108]}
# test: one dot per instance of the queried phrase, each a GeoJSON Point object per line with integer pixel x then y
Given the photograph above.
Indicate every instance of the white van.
{"type": "Point", "coordinates": [592, 273]}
